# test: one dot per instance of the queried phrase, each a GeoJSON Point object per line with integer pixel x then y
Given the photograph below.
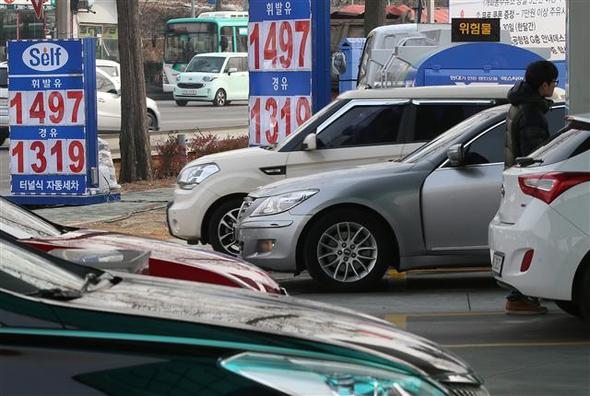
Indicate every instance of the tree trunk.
{"type": "Point", "coordinates": [134, 140]}
{"type": "Point", "coordinates": [374, 15]}
{"type": "Point", "coordinates": [219, 5]}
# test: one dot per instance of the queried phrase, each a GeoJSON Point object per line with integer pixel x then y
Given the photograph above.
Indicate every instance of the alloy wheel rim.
{"type": "Point", "coordinates": [225, 232]}
{"type": "Point", "coordinates": [347, 252]}
{"type": "Point", "coordinates": [220, 98]}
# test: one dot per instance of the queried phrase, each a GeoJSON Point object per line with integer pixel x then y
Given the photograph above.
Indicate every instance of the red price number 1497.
{"type": "Point", "coordinates": [280, 45]}
{"type": "Point", "coordinates": [47, 108]}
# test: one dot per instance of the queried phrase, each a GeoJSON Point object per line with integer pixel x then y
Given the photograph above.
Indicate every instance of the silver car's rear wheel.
{"type": "Point", "coordinates": [347, 252]}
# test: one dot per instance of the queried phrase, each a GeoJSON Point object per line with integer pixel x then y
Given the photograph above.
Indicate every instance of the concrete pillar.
{"type": "Point", "coordinates": [578, 56]}
{"type": "Point", "coordinates": [63, 16]}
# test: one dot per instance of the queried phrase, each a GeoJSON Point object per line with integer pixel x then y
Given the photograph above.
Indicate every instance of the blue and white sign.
{"type": "Point", "coordinates": [52, 117]}
{"type": "Point", "coordinates": [280, 66]}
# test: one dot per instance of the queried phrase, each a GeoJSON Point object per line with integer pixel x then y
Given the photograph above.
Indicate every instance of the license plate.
{"type": "Point", "coordinates": [189, 91]}
{"type": "Point", "coordinates": [497, 263]}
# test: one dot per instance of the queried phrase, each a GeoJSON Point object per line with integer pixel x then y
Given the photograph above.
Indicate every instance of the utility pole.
{"type": "Point", "coordinates": [63, 15]}
{"type": "Point", "coordinates": [134, 140]}
{"type": "Point", "coordinates": [374, 15]}
{"type": "Point", "coordinates": [431, 9]}
{"type": "Point", "coordinates": [193, 9]}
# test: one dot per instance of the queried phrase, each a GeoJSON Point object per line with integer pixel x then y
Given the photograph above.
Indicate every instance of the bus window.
{"type": "Point", "coordinates": [184, 40]}
{"type": "Point", "coordinates": [242, 39]}
{"type": "Point", "coordinates": [227, 39]}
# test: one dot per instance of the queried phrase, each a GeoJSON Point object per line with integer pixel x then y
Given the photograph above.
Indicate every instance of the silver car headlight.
{"type": "Point", "coordinates": [282, 203]}
{"type": "Point", "coordinates": [302, 377]}
{"type": "Point", "coordinates": [190, 176]}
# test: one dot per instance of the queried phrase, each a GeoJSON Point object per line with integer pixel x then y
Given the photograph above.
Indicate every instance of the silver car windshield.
{"type": "Point", "coordinates": [443, 140]}
{"type": "Point", "coordinates": [24, 225]}
{"type": "Point", "coordinates": [35, 270]}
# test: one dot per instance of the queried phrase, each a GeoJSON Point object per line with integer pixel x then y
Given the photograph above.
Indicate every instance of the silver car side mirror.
{"type": "Point", "coordinates": [232, 70]}
{"type": "Point", "coordinates": [310, 142]}
{"type": "Point", "coordinates": [455, 154]}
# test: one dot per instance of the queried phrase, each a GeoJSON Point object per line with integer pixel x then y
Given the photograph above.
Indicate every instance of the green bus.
{"type": "Point", "coordinates": [210, 32]}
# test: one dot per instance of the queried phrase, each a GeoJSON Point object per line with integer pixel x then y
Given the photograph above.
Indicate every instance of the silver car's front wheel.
{"type": "Point", "coordinates": [347, 252]}
{"type": "Point", "coordinates": [348, 248]}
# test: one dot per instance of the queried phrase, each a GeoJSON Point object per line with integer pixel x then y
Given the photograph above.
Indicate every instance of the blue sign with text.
{"type": "Point", "coordinates": [52, 117]}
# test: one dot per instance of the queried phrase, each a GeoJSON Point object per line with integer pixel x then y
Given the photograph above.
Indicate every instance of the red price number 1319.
{"type": "Point", "coordinates": [48, 157]}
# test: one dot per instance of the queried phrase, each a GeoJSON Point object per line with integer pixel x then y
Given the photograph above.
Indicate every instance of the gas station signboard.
{"type": "Point", "coordinates": [52, 118]}
{"type": "Point", "coordinates": [280, 64]}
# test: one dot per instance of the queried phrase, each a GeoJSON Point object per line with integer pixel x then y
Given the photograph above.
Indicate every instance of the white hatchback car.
{"type": "Point", "coordinates": [540, 237]}
{"type": "Point", "coordinates": [217, 77]}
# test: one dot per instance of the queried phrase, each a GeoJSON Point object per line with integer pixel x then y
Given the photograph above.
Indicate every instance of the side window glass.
{"type": "Point", "coordinates": [241, 40]}
{"type": "Point", "coordinates": [363, 125]}
{"type": "Point", "coordinates": [227, 39]}
{"type": "Point", "coordinates": [243, 64]}
{"type": "Point", "coordinates": [488, 148]}
{"type": "Point", "coordinates": [232, 62]}
{"type": "Point", "coordinates": [556, 119]}
{"type": "Point", "coordinates": [432, 119]}
{"type": "Point", "coordinates": [103, 84]}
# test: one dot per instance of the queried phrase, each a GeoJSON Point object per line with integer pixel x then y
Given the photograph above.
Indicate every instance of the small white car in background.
{"type": "Point", "coordinates": [217, 77]}
{"type": "Point", "coordinates": [112, 68]}
{"type": "Point", "coordinates": [540, 237]}
{"type": "Point", "coordinates": [108, 96]}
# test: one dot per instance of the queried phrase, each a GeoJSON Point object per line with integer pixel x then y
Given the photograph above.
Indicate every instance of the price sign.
{"type": "Point", "coordinates": [48, 118]}
{"type": "Point", "coordinates": [280, 63]}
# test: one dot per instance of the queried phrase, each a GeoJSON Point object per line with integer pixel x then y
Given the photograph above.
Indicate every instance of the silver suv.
{"type": "Point", "coordinates": [3, 102]}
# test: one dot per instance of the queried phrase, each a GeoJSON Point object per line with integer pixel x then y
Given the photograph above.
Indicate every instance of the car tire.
{"type": "Point", "coordinates": [583, 294]}
{"type": "Point", "coordinates": [332, 250]}
{"type": "Point", "coordinates": [152, 122]}
{"type": "Point", "coordinates": [220, 98]}
{"type": "Point", "coordinates": [181, 103]}
{"type": "Point", "coordinates": [569, 307]}
{"type": "Point", "coordinates": [221, 224]}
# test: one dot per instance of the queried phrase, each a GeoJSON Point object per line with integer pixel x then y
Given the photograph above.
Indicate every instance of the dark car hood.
{"type": "Point", "coordinates": [191, 258]}
{"type": "Point", "coordinates": [139, 295]}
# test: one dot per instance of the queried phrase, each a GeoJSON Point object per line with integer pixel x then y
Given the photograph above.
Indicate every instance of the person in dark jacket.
{"type": "Point", "coordinates": [526, 130]}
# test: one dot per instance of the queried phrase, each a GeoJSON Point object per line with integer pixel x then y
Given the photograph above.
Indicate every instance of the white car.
{"type": "Point", "coordinates": [360, 127]}
{"type": "Point", "coordinates": [217, 77]}
{"type": "Point", "coordinates": [540, 237]}
{"type": "Point", "coordinates": [112, 68]}
{"type": "Point", "coordinates": [108, 96]}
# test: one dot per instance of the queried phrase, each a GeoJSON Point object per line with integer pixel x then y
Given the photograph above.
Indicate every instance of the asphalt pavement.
{"type": "Point", "coordinates": [202, 115]}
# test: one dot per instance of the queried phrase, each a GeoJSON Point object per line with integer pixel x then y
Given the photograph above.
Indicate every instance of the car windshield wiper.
{"type": "Point", "coordinates": [91, 283]}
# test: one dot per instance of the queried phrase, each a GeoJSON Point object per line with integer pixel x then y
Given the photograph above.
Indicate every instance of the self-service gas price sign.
{"type": "Point", "coordinates": [280, 63]}
{"type": "Point", "coordinates": [49, 119]}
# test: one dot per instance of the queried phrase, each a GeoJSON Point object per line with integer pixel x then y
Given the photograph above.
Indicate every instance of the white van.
{"type": "Point", "coordinates": [217, 77]}
{"type": "Point", "coordinates": [359, 127]}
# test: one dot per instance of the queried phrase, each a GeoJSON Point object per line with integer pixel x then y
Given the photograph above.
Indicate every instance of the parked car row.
{"type": "Point", "coordinates": [360, 127]}
{"type": "Point", "coordinates": [432, 209]}
{"type": "Point", "coordinates": [122, 333]}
